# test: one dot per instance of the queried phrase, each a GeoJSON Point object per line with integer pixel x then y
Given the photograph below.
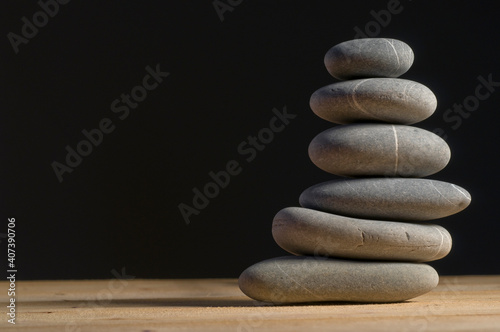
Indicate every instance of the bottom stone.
{"type": "Point", "coordinates": [316, 279]}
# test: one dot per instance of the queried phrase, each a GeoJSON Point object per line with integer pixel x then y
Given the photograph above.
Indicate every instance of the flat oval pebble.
{"type": "Point", "coordinates": [379, 150]}
{"type": "Point", "coordinates": [400, 199]}
{"type": "Point", "coordinates": [369, 57]}
{"type": "Point", "coordinates": [313, 279]}
{"type": "Point", "coordinates": [303, 231]}
{"type": "Point", "coordinates": [391, 100]}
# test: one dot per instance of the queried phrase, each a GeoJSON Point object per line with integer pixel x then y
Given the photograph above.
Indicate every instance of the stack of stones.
{"type": "Point", "coordinates": [363, 238]}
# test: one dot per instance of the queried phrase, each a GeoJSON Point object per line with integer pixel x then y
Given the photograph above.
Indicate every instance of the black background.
{"type": "Point", "coordinates": [119, 207]}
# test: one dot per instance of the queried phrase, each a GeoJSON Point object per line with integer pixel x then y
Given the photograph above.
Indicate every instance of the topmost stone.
{"type": "Point", "coordinates": [369, 57]}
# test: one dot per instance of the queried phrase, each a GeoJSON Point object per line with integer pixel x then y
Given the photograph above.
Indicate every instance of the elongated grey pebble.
{"type": "Point", "coordinates": [303, 231]}
{"type": "Point", "coordinates": [369, 57]}
{"type": "Point", "coordinates": [400, 199]}
{"type": "Point", "coordinates": [310, 279]}
{"type": "Point", "coordinates": [379, 150]}
{"type": "Point", "coordinates": [391, 100]}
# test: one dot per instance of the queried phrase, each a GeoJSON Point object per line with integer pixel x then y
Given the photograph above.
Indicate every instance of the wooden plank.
{"type": "Point", "coordinates": [468, 303]}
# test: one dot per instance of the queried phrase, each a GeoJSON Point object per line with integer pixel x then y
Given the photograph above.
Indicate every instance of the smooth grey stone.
{"type": "Point", "coordinates": [314, 279]}
{"type": "Point", "coordinates": [399, 199]}
{"type": "Point", "coordinates": [391, 100]}
{"type": "Point", "coordinates": [303, 231]}
{"type": "Point", "coordinates": [379, 150]}
{"type": "Point", "coordinates": [369, 57]}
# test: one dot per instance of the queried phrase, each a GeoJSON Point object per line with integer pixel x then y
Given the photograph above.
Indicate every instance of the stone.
{"type": "Point", "coordinates": [379, 150]}
{"type": "Point", "coordinates": [399, 199]}
{"type": "Point", "coordinates": [303, 231]}
{"type": "Point", "coordinates": [313, 279]}
{"type": "Point", "coordinates": [369, 57]}
{"type": "Point", "coordinates": [390, 100]}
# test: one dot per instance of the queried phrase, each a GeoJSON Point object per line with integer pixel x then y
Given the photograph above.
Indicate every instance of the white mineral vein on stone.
{"type": "Point", "coordinates": [409, 95]}
{"type": "Point", "coordinates": [432, 184]}
{"type": "Point", "coordinates": [395, 70]}
{"type": "Point", "coordinates": [406, 93]}
{"type": "Point", "coordinates": [440, 245]}
{"type": "Point", "coordinates": [396, 150]}
{"type": "Point", "coordinates": [352, 96]}
{"type": "Point", "coordinates": [461, 192]}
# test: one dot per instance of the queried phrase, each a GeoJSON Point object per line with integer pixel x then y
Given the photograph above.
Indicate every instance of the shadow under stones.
{"type": "Point", "coordinates": [199, 302]}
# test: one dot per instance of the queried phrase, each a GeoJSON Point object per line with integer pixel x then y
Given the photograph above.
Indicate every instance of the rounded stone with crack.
{"type": "Point", "coordinates": [391, 100]}
{"type": "Point", "coordinates": [379, 150]}
{"type": "Point", "coordinates": [369, 57]}
{"type": "Point", "coordinates": [303, 231]}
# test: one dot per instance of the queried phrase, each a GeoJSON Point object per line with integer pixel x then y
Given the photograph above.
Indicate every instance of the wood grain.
{"type": "Point", "coordinates": [464, 303]}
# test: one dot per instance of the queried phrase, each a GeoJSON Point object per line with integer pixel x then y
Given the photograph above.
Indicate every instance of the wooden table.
{"type": "Point", "coordinates": [465, 303]}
